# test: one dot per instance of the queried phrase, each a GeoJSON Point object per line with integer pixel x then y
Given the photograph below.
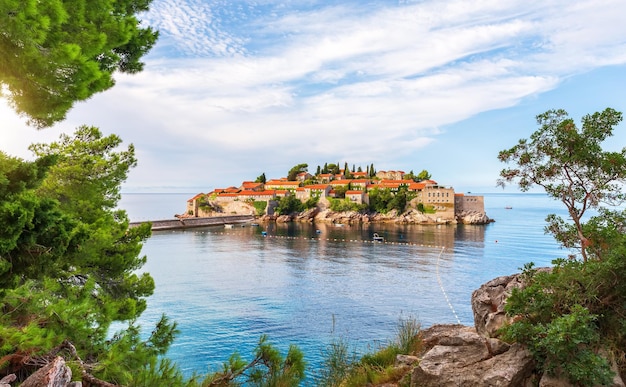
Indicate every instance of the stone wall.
{"type": "Point", "coordinates": [469, 203]}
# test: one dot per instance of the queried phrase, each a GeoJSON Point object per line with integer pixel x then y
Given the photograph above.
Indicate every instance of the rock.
{"type": "Point", "coordinates": [406, 360]}
{"type": "Point", "coordinates": [489, 299]}
{"type": "Point", "coordinates": [458, 356]}
{"type": "Point", "coordinates": [54, 374]}
{"type": "Point", "coordinates": [283, 219]}
{"type": "Point", "coordinates": [472, 217]}
{"type": "Point", "coordinates": [488, 304]}
{"type": "Point", "coordinates": [308, 215]}
{"type": "Point", "coordinates": [4, 382]}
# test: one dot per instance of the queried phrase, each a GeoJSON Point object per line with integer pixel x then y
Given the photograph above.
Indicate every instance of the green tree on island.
{"type": "Point", "coordinates": [293, 172]}
{"type": "Point", "coordinates": [572, 317]}
{"type": "Point", "coordinates": [423, 175]}
{"type": "Point", "coordinates": [261, 179]}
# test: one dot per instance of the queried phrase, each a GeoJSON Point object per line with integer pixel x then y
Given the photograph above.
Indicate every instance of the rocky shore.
{"type": "Point", "coordinates": [474, 356]}
{"type": "Point", "coordinates": [351, 217]}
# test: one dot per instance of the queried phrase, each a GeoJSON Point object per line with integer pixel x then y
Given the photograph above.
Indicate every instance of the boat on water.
{"type": "Point", "coordinates": [508, 208]}
{"type": "Point", "coordinates": [378, 238]}
{"type": "Point", "coordinates": [228, 226]}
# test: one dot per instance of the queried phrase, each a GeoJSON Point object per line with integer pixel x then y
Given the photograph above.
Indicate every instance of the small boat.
{"type": "Point", "coordinates": [254, 225]}
{"type": "Point", "coordinates": [228, 226]}
{"type": "Point", "coordinates": [508, 208]}
{"type": "Point", "coordinates": [378, 238]}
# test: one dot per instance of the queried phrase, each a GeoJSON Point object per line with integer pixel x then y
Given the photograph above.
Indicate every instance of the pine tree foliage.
{"type": "Point", "coordinates": [572, 316]}
{"type": "Point", "coordinates": [70, 263]}
{"type": "Point", "coordinates": [570, 164]}
{"type": "Point", "coordinates": [57, 52]}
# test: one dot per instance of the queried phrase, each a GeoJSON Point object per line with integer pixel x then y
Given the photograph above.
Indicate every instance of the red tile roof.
{"type": "Point", "coordinates": [250, 184]}
{"type": "Point", "coordinates": [283, 183]}
{"type": "Point", "coordinates": [196, 197]}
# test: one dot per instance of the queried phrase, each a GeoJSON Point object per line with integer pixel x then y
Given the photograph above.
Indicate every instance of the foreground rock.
{"type": "Point", "coordinates": [488, 304]}
{"type": "Point", "coordinates": [457, 355]}
{"type": "Point", "coordinates": [55, 373]}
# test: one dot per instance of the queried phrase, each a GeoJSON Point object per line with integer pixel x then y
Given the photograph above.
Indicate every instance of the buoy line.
{"type": "Point", "coordinates": [313, 238]}
{"type": "Point", "coordinates": [317, 238]}
{"type": "Point", "coordinates": [444, 290]}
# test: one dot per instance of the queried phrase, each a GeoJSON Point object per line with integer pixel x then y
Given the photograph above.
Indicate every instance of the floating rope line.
{"type": "Point", "coordinates": [318, 238]}
{"type": "Point", "coordinates": [444, 290]}
{"type": "Point", "coordinates": [384, 242]}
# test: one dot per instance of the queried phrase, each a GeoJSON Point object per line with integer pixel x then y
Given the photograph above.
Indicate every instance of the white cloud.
{"type": "Point", "coordinates": [233, 87]}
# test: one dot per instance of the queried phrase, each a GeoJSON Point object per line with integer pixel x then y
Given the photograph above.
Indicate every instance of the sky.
{"type": "Point", "coordinates": [234, 89]}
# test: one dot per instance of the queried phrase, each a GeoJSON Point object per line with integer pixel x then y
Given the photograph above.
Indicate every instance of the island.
{"type": "Point", "coordinates": [342, 197]}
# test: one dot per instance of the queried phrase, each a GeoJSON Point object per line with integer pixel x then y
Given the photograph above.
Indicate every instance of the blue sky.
{"type": "Point", "coordinates": [234, 89]}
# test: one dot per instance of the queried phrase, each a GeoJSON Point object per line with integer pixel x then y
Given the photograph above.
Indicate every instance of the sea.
{"type": "Point", "coordinates": [313, 284]}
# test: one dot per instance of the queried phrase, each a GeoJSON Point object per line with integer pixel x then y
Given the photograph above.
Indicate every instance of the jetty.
{"type": "Point", "coordinates": [184, 223]}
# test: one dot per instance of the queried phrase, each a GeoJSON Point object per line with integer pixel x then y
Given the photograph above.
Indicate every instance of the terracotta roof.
{"type": "Point", "coordinates": [256, 193]}
{"type": "Point", "coordinates": [417, 186]}
{"type": "Point", "coordinates": [340, 182]}
{"type": "Point", "coordinates": [316, 186]}
{"type": "Point", "coordinates": [355, 192]}
{"type": "Point", "coordinates": [196, 197]}
{"type": "Point", "coordinates": [250, 184]}
{"type": "Point", "coordinates": [283, 183]}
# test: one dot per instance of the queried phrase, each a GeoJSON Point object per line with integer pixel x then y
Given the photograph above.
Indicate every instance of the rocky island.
{"type": "Point", "coordinates": [349, 197]}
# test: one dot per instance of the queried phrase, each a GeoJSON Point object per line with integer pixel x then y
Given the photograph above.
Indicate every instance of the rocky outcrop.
{"type": "Point", "coordinates": [472, 217]}
{"type": "Point", "coordinates": [55, 373]}
{"type": "Point", "coordinates": [352, 217]}
{"type": "Point", "coordinates": [489, 299]}
{"type": "Point", "coordinates": [457, 355]}
{"type": "Point", "coordinates": [308, 215]}
{"type": "Point", "coordinates": [488, 304]}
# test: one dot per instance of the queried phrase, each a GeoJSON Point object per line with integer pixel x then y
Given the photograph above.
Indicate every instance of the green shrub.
{"type": "Point", "coordinates": [561, 320]}
{"type": "Point", "coordinates": [311, 203]}
{"type": "Point", "coordinates": [338, 362]}
{"type": "Point", "coordinates": [345, 205]}
{"type": "Point", "coordinates": [260, 206]}
{"type": "Point", "coordinates": [340, 367]}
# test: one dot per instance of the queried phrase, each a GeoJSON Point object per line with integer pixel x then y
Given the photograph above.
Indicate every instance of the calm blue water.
{"type": "Point", "coordinates": [225, 288]}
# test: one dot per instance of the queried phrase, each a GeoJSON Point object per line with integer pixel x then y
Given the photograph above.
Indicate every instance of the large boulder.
{"type": "Point", "coordinates": [488, 304]}
{"type": "Point", "coordinates": [472, 217]}
{"type": "Point", "coordinates": [457, 355]}
{"type": "Point", "coordinates": [489, 299]}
